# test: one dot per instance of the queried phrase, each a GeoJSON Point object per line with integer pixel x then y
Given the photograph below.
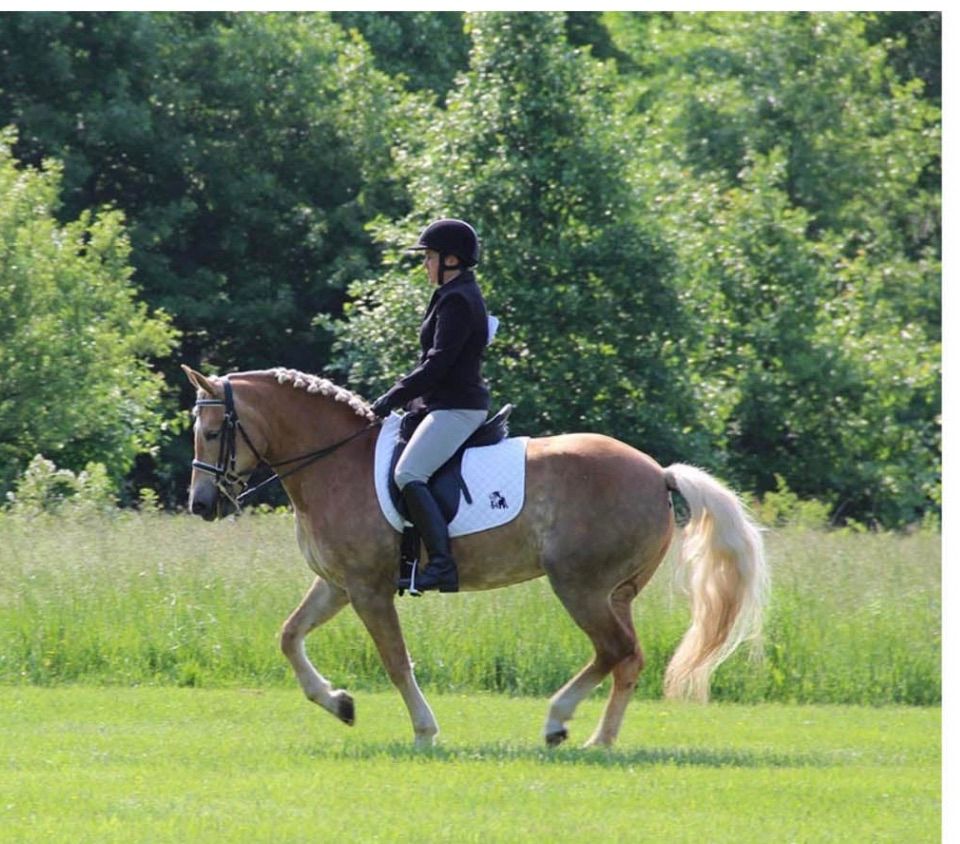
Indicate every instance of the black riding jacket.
{"type": "Point", "coordinates": [453, 336]}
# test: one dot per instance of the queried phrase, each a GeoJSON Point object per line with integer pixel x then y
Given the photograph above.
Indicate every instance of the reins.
{"type": "Point", "coordinates": [308, 458]}
{"type": "Point", "coordinates": [224, 472]}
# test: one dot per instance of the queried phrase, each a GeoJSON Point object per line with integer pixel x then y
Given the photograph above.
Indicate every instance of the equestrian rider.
{"type": "Point", "coordinates": [447, 382]}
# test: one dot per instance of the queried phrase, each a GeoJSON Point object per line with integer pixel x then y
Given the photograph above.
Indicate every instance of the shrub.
{"type": "Point", "coordinates": [43, 488]}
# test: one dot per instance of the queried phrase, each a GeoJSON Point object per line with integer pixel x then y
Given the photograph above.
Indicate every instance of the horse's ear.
{"type": "Point", "coordinates": [199, 381]}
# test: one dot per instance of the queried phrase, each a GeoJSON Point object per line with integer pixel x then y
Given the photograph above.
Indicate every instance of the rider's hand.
{"type": "Point", "coordinates": [381, 407]}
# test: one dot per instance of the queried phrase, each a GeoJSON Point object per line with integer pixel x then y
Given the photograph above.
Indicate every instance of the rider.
{"type": "Point", "coordinates": [447, 382]}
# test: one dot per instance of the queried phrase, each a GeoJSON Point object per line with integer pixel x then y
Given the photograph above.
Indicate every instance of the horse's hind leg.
{"type": "Point", "coordinates": [625, 672]}
{"type": "Point", "coordinates": [321, 603]}
{"type": "Point", "coordinates": [613, 643]}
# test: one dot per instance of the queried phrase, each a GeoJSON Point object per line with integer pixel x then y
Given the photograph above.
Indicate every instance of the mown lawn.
{"type": "Point", "coordinates": [161, 764]}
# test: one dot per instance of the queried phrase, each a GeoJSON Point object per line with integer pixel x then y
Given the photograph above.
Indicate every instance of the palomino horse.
{"type": "Point", "coordinates": [597, 521]}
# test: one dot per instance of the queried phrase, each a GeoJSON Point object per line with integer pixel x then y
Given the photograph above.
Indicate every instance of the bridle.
{"type": "Point", "coordinates": [224, 472]}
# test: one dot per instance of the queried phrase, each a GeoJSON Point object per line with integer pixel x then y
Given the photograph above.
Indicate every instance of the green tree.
{"type": "Point", "coordinates": [915, 46]}
{"type": "Point", "coordinates": [79, 87]}
{"type": "Point", "coordinates": [247, 152]}
{"type": "Point", "coordinates": [423, 50]}
{"type": "Point", "coordinates": [75, 384]}
{"type": "Point", "coordinates": [791, 168]}
{"type": "Point", "coordinates": [526, 150]}
{"type": "Point", "coordinates": [807, 358]}
{"type": "Point", "coordinates": [288, 131]}
{"type": "Point", "coordinates": [858, 140]}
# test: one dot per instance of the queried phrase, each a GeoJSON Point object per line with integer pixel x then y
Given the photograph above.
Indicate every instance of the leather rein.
{"type": "Point", "coordinates": [225, 472]}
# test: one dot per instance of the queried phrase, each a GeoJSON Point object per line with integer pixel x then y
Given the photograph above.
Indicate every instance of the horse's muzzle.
{"type": "Point", "coordinates": [204, 501]}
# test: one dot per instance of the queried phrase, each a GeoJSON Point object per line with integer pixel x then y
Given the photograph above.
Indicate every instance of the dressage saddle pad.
{"type": "Point", "coordinates": [492, 492]}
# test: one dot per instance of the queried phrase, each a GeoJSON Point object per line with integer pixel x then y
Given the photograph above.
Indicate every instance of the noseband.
{"type": "Point", "coordinates": [225, 474]}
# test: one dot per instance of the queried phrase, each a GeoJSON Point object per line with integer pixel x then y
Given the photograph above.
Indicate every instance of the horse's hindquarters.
{"type": "Point", "coordinates": [596, 511]}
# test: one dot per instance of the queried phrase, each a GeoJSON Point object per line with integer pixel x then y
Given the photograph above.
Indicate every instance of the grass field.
{"type": "Point", "coordinates": [159, 599]}
{"type": "Point", "coordinates": [84, 764]}
{"type": "Point", "coordinates": [143, 699]}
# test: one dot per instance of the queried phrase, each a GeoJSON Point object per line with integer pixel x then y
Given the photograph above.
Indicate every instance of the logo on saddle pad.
{"type": "Point", "coordinates": [493, 476]}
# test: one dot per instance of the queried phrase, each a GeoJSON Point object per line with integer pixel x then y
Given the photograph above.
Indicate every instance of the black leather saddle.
{"type": "Point", "coordinates": [447, 482]}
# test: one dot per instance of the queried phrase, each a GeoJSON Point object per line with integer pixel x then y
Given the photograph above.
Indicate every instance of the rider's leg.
{"type": "Point", "coordinates": [434, 442]}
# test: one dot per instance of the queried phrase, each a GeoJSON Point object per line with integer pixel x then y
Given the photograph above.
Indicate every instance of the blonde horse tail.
{"type": "Point", "coordinates": [725, 574]}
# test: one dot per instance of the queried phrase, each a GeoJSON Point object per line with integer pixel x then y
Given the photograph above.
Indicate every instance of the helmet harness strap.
{"type": "Point", "coordinates": [444, 268]}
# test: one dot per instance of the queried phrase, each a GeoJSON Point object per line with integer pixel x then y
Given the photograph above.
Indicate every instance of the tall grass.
{"type": "Point", "coordinates": [161, 599]}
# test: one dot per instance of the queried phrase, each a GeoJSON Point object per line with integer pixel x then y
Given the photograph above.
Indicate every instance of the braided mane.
{"type": "Point", "coordinates": [316, 384]}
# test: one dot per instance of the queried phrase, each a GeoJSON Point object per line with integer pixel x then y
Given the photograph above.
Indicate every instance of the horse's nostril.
{"type": "Point", "coordinates": [198, 508]}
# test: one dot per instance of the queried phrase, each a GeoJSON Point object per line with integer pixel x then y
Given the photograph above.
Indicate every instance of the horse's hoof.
{"type": "Point", "coordinates": [556, 737]}
{"type": "Point", "coordinates": [345, 710]}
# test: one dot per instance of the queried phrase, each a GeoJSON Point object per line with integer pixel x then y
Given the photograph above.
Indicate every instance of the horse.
{"type": "Point", "coordinates": [597, 521]}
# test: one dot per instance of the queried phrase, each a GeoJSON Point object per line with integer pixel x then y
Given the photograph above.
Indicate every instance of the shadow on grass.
{"type": "Point", "coordinates": [601, 757]}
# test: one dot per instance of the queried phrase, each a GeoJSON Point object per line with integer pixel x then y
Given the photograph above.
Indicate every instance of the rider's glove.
{"type": "Point", "coordinates": [381, 407]}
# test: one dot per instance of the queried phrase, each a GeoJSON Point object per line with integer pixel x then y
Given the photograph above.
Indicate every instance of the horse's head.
{"type": "Point", "coordinates": [221, 460]}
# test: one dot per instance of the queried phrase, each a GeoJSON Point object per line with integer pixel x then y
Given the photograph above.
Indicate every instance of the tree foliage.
{"type": "Point", "coordinates": [422, 50]}
{"type": "Point", "coordinates": [75, 382]}
{"type": "Point", "coordinates": [791, 166]}
{"type": "Point", "coordinates": [247, 151]}
{"type": "Point", "coordinates": [714, 235]}
{"type": "Point", "coordinates": [525, 152]}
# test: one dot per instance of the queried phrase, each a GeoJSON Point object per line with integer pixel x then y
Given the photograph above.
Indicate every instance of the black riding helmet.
{"type": "Point", "coordinates": [451, 237]}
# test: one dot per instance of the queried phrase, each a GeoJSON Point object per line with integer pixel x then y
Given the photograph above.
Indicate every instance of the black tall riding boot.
{"type": "Point", "coordinates": [426, 516]}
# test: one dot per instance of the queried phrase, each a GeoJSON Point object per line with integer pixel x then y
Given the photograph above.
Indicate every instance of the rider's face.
{"type": "Point", "coordinates": [431, 263]}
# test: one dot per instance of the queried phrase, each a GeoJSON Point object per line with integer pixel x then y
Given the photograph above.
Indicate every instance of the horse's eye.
{"type": "Point", "coordinates": [211, 435]}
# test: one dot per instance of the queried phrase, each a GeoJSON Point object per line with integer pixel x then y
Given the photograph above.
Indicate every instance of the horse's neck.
{"type": "Point", "coordinates": [303, 423]}
{"type": "Point", "coordinates": [306, 423]}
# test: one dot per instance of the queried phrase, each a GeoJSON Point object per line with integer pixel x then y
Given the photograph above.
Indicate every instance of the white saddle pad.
{"type": "Point", "coordinates": [494, 475]}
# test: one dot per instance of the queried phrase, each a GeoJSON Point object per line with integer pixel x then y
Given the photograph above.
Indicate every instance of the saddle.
{"type": "Point", "coordinates": [447, 482]}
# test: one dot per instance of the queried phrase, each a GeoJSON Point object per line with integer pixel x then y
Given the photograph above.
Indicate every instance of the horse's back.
{"type": "Point", "coordinates": [593, 458]}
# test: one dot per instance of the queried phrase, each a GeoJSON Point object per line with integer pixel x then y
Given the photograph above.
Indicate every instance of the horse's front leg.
{"type": "Point", "coordinates": [321, 603]}
{"type": "Point", "coordinates": [378, 613]}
